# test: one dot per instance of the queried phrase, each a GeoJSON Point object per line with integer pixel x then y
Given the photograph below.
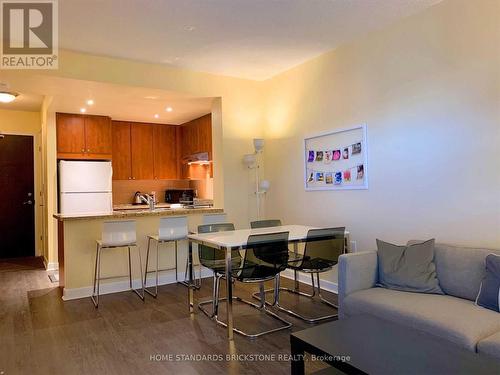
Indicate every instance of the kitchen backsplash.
{"type": "Point", "coordinates": [123, 191]}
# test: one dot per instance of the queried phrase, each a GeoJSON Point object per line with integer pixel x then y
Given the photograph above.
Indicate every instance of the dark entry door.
{"type": "Point", "coordinates": [17, 203]}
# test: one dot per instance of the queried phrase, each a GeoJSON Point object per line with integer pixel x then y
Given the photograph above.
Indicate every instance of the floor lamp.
{"type": "Point", "coordinates": [252, 162]}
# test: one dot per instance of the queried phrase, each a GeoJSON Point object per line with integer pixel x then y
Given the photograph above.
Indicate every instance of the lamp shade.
{"type": "Point", "coordinates": [258, 144]}
{"type": "Point", "coordinates": [249, 160]}
{"type": "Point", "coordinates": [264, 186]}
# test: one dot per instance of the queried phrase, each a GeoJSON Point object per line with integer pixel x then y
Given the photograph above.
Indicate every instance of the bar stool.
{"type": "Point", "coordinates": [171, 229]}
{"type": "Point", "coordinates": [116, 234]}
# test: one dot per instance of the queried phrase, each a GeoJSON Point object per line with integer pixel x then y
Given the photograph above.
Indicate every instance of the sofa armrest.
{"type": "Point", "coordinates": [357, 271]}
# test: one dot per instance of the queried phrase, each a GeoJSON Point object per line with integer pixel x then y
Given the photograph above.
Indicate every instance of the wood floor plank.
{"type": "Point", "coordinates": [41, 334]}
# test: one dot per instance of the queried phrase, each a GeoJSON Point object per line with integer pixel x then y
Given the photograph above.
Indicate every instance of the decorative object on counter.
{"type": "Point", "coordinates": [251, 161]}
{"type": "Point", "coordinates": [336, 160]}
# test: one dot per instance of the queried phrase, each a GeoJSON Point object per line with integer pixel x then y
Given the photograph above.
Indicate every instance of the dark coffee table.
{"type": "Point", "coordinates": [365, 344]}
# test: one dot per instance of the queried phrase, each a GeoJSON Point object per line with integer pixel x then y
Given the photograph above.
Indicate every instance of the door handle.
{"type": "Point", "coordinates": [30, 202]}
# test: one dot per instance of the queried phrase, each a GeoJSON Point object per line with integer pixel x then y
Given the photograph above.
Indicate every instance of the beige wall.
{"type": "Point", "coordinates": [428, 90]}
{"type": "Point", "coordinates": [28, 123]}
{"type": "Point", "coordinates": [236, 120]}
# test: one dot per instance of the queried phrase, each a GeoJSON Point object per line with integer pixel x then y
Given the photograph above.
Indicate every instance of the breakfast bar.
{"type": "Point", "coordinates": [77, 235]}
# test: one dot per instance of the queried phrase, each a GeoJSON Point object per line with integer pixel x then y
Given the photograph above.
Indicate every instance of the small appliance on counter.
{"type": "Point", "coordinates": [184, 196]}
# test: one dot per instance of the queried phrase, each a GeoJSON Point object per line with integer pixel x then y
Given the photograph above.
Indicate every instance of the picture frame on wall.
{"type": "Point", "coordinates": [337, 160]}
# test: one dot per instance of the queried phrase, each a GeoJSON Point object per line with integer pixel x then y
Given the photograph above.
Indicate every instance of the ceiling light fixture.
{"type": "Point", "coordinates": [169, 109]}
{"type": "Point", "coordinates": [157, 115]}
{"type": "Point", "coordinates": [90, 102]}
{"type": "Point", "coordinates": [83, 110]}
{"type": "Point", "coordinates": [189, 28]}
{"type": "Point", "coordinates": [7, 97]}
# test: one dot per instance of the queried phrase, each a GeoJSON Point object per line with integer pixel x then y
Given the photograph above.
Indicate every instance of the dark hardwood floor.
{"type": "Point", "coordinates": [41, 334]}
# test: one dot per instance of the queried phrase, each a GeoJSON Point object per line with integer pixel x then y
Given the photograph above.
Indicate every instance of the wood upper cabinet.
{"type": "Point", "coordinates": [70, 134]}
{"type": "Point", "coordinates": [141, 136]}
{"type": "Point", "coordinates": [196, 136]}
{"type": "Point", "coordinates": [98, 135]}
{"type": "Point", "coordinates": [122, 159]}
{"type": "Point", "coordinates": [165, 148]}
{"type": "Point", "coordinates": [83, 137]}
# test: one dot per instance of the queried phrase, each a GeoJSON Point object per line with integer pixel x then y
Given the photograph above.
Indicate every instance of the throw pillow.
{"type": "Point", "coordinates": [489, 291]}
{"type": "Point", "coordinates": [408, 268]}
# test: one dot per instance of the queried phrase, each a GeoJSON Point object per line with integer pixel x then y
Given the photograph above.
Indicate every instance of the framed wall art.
{"type": "Point", "coordinates": [336, 160]}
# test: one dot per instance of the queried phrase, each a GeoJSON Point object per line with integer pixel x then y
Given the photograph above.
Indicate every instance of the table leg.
{"type": "Point", "coordinates": [229, 288]}
{"type": "Point", "coordinates": [297, 362]}
{"type": "Point", "coordinates": [190, 284]}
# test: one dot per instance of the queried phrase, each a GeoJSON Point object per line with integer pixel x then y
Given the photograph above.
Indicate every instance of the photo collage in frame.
{"type": "Point", "coordinates": [337, 160]}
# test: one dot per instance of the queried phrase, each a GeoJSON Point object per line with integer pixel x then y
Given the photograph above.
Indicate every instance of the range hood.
{"type": "Point", "coordinates": [200, 158]}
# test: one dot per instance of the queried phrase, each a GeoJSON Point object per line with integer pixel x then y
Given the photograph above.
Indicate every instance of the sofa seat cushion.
{"type": "Point", "coordinates": [455, 319]}
{"type": "Point", "coordinates": [490, 345]}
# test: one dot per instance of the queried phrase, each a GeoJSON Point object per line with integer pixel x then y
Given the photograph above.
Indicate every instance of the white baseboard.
{"type": "Point", "coordinates": [51, 266]}
{"type": "Point", "coordinates": [306, 279]}
{"type": "Point", "coordinates": [166, 277]}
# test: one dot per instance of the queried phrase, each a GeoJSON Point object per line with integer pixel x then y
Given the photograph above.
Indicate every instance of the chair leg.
{"type": "Point", "coordinates": [323, 299]}
{"type": "Point", "coordinates": [141, 296]}
{"type": "Point", "coordinates": [215, 298]}
{"type": "Point", "coordinates": [97, 276]}
{"type": "Point", "coordinates": [261, 307]}
{"type": "Point", "coordinates": [155, 294]}
{"type": "Point", "coordinates": [276, 302]}
{"type": "Point", "coordinates": [176, 270]}
{"type": "Point", "coordinates": [196, 284]}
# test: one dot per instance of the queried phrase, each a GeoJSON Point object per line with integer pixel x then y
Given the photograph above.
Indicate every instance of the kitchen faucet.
{"type": "Point", "coordinates": [150, 200]}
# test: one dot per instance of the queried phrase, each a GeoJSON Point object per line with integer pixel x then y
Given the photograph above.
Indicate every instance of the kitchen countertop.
{"type": "Point", "coordinates": [125, 213]}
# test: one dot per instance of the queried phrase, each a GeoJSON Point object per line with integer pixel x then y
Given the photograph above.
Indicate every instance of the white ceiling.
{"type": "Point", "coordinates": [24, 102]}
{"type": "Point", "coordinates": [253, 39]}
{"type": "Point", "coordinates": [119, 102]}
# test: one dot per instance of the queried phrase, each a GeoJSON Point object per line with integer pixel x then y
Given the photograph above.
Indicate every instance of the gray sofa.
{"type": "Point", "coordinates": [453, 316]}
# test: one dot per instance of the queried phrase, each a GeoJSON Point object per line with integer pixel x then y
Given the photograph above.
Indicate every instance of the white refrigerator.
{"type": "Point", "coordinates": [85, 187]}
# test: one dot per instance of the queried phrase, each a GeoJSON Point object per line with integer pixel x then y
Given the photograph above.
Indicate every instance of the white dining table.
{"type": "Point", "coordinates": [234, 240]}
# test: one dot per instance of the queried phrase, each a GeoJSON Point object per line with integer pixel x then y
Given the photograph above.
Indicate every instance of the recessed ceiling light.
{"type": "Point", "coordinates": [189, 28]}
{"type": "Point", "coordinates": [83, 110]}
{"type": "Point", "coordinates": [90, 102]}
{"type": "Point", "coordinates": [157, 115]}
{"type": "Point", "coordinates": [7, 97]}
{"type": "Point", "coordinates": [169, 109]}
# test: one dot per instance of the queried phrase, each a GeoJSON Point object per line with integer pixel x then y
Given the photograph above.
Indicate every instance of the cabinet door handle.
{"type": "Point", "coordinates": [130, 178]}
{"type": "Point", "coordinates": [83, 150]}
{"type": "Point", "coordinates": [88, 150]}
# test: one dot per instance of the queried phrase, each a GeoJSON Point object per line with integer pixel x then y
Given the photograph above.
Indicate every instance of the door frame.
{"type": "Point", "coordinates": [37, 189]}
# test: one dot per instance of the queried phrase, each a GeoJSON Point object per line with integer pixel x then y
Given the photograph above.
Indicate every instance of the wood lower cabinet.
{"type": "Point", "coordinates": [122, 158]}
{"type": "Point", "coordinates": [165, 152]}
{"type": "Point", "coordinates": [83, 137]}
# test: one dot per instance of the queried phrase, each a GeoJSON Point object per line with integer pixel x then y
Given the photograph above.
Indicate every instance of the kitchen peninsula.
{"type": "Point", "coordinates": [77, 237]}
{"type": "Point", "coordinates": [106, 169]}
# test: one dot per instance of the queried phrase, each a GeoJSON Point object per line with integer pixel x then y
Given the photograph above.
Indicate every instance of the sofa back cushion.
{"type": "Point", "coordinates": [460, 270]}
